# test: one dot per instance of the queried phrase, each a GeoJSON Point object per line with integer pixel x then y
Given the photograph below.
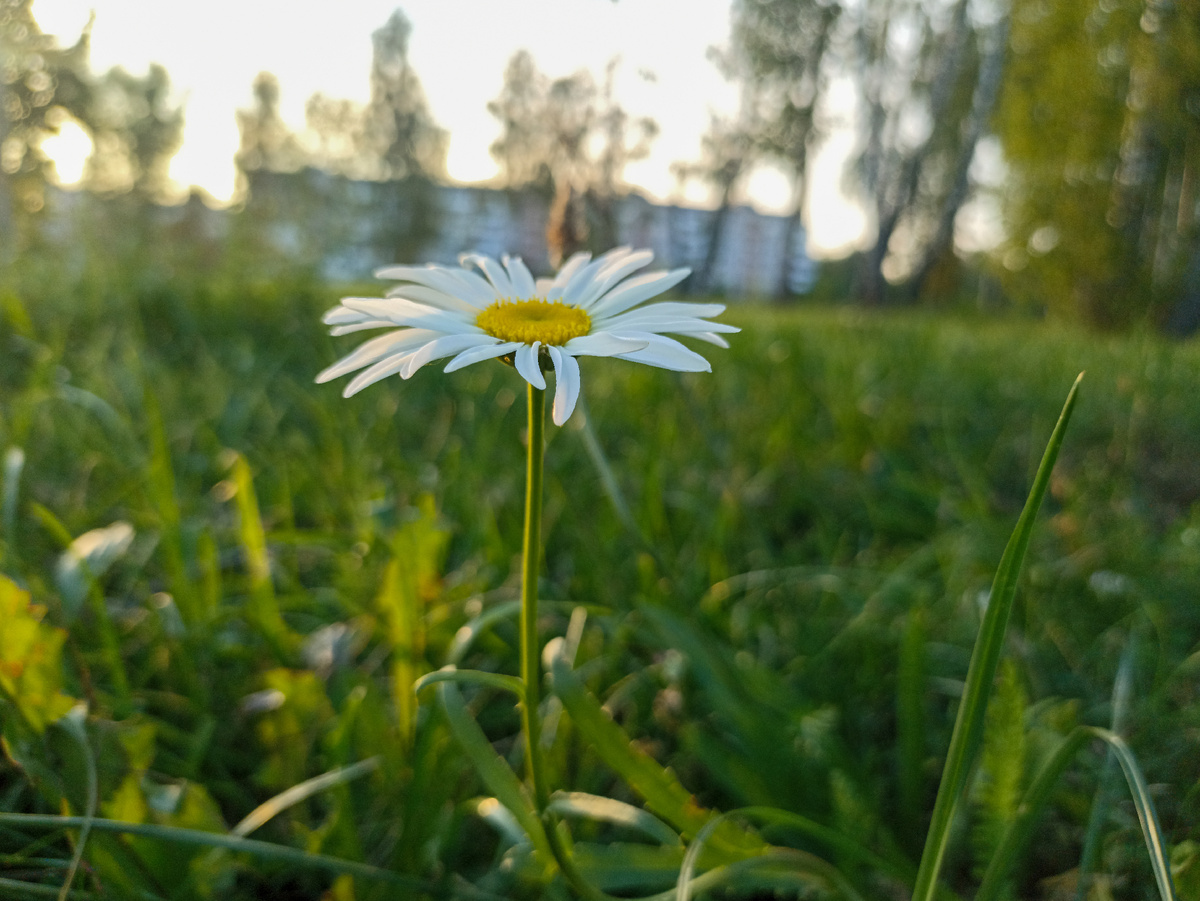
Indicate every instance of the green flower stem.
{"type": "Point", "coordinates": [531, 559]}
{"type": "Point", "coordinates": [531, 650]}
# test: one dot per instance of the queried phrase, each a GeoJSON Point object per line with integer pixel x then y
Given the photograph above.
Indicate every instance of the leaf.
{"type": "Point", "coordinates": [495, 773]}
{"type": "Point", "coordinates": [87, 558]}
{"type": "Point", "coordinates": [968, 725]}
{"type": "Point", "coordinates": [31, 675]}
{"type": "Point", "coordinates": [610, 810]}
{"type": "Point", "coordinates": [663, 793]}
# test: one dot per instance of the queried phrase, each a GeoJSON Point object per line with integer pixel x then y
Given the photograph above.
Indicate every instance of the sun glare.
{"type": "Point", "coordinates": [69, 149]}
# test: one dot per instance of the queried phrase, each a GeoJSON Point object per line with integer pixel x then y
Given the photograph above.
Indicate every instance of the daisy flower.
{"type": "Point", "coordinates": [589, 309]}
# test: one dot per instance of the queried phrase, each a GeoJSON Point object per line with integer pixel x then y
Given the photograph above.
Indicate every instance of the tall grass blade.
{"type": "Point", "coordinates": [910, 719]}
{"type": "Point", "coordinates": [300, 792]}
{"type": "Point", "coordinates": [610, 810]}
{"type": "Point", "coordinates": [500, 780]}
{"type": "Point", "coordinates": [415, 563]}
{"type": "Point", "coordinates": [968, 725]}
{"type": "Point", "coordinates": [1144, 804]}
{"type": "Point", "coordinates": [264, 850]}
{"type": "Point", "coordinates": [15, 888]}
{"type": "Point", "coordinates": [1121, 697]}
{"type": "Point", "coordinates": [263, 609]}
{"type": "Point", "coordinates": [661, 790]}
{"type": "Point", "coordinates": [161, 488]}
{"type": "Point", "coordinates": [476, 677]}
{"type": "Point", "coordinates": [74, 725]}
{"type": "Point", "coordinates": [800, 866]}
{"type": "Point", "coordinates": [1020, 830]}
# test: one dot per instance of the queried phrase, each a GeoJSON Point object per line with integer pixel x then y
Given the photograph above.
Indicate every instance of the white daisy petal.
{"type": "Point", "coordinates": [434, 297]}
{"type": "Point", "coordinates": [566, 385]}
{"type": "Point", "coordinates": [678, 324]}
{"type": "Point", "coordinates": [360, 326]}
{"type": "Point", "coordinates": [612, 272]}
{"type": "Point", "coordinates": [666, 353]}
{"type": "Point", "coordinates": [601, 345]}
{"type": "Point", "coordinates": [445, 346]}
{"type": "Point", "coordinates": [477, 288]}
{"type": "Point", "coordinates": [381, 370]}
{"type": "Point", "coordinates": [398, 342]}
{"type": "Point", "coordinates": [578, 286]}
{"type": "Point", "coordinates": [339, 315]}
{"type": "Point", "coordinates": [474, 290]}
{"type": "Point", "coordinates": [522, 281]}
{"type": "Point", "coordinates": [633, 291]}
{"type": "Point", "coordinates": [494, 271]}
{"type": "Point", "coordinates": [482, 352]}
{"type": "Point", "coordinates": [710, 337]}
{"type": "Point", "coordinates": [566, 273]}
{"type": "Point", "coordinates": [406, 312]}
{"type": "Point", "coordinates": [526, 362]}
{"type": "Point", "coordinates": [678, 308]}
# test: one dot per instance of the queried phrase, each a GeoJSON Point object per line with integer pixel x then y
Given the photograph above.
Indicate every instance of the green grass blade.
{"type": "Point", "coordinates": [264, 850]}
{"type": "Point", "coordinates": [1105, 788]}
{"type": "Point", "coordinates": [610, 810]}
{"type": "Point", "coordinates": [662, 792]}
{"type": "Point", "coordinates": [799, 865]}
{"type": "Point", "coordinates": [297, 793]}
{"type": "Point", "coordinates": [467, 634]}
{"type": "Point", "coordinates": [161, 489]}
{"type": "Point", "coordinates": [911, 679]}
{"type": "Point", "coordinates": [1019, 831]}
{"type": "Point", "coordinates": [1144, 804]}
{"type": "Point", "coordinates": [15, 888]}
{"type": "Point", "coordinates": [495, 773]}
{"type": "Point", "coordinates": [475, 677]}
{"type": "Point", "coordinates": [73, 724]}
{"type": "Point", "coordinates": [263, 610]}
{"type": "Point", "coordinates": [968, 725]}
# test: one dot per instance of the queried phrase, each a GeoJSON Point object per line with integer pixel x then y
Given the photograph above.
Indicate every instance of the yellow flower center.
{"type": "Point", "coordinates": [550, 321]}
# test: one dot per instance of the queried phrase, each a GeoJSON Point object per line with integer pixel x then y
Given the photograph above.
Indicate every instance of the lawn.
{"type": "Point", "coordinates": [771, 576]}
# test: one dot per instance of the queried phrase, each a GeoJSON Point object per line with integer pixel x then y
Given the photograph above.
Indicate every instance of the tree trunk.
{"type": "Point", "coordinates": [783, 289]}
{"type": "Point", "coordinates": [716, 234]}
{"type": "Point", "coordinates": [1185, 317]}
{"type": "Point", "coordinates": [987, 91]}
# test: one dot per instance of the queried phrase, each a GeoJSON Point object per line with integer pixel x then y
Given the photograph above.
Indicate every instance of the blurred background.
{"type": "Point", "coordinates": [997, 154]}
{"type": "Point", "coordinates": [927, 217]}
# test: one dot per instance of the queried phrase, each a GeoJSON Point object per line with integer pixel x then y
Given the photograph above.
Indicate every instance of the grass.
{"type": "Point", "coordinates": [784, 616]}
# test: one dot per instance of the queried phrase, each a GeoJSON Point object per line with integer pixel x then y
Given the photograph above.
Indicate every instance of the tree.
{"type": "Point", "coordinates": [400, 132]}
{"type": "Point", "coordinates": [622, 141]}
{"type": "Point", "coordinates": [727, 151]}
{"type": "Point", "coordinates": [923, 99]}
{"type": "Point", "coordinates": [136, 129]}
{"type": "Point", "coordinates": [522, 150]}
{"type": "Point", "coordinates": [41, 87]}
{"type": "Point", "coordinates": [266, 142]}
{"type": "Point", "coordinates": [1100, 123]}
{"type": "Point", "coordinates": [573, 142]}
{"type": "Point", "coordinates": [781, 52]}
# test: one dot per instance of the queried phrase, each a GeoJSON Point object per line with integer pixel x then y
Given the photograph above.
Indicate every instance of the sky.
{"type": "Point", "coordinates": [459, 49]}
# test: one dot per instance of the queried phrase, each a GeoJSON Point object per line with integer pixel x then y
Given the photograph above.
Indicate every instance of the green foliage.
{"type": "Point", "coordinates": [834, 476]}
{"type": "Point", "coordinates": [1100, 121]}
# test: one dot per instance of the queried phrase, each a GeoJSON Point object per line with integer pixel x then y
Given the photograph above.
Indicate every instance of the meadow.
{"type": "Point", "coordinates": [771, 576]}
